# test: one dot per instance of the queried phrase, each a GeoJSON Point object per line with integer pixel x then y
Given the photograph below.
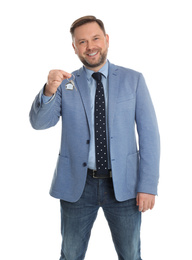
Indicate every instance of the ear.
{"type": "Point", "coordinates": [107, 39]}
{"type": "Point", "coordinates": [74, 47]}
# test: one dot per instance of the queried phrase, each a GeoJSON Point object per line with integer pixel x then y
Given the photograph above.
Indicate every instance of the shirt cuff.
{"type": "Point", "coordinates": [46, 99]}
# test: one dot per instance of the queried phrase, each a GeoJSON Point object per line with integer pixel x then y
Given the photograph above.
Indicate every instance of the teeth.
{"type": "Point", "coordinates": [92, 54]}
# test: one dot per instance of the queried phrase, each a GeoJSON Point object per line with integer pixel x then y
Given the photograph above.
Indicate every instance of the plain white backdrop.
{"type": "Point", "coordinates": [153, 37]}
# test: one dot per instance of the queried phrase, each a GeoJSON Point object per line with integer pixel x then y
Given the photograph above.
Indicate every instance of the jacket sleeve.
{"type": "Point", "coordinates": [149, 140]}
{"type": "Point", "coordinates": [45, 115]}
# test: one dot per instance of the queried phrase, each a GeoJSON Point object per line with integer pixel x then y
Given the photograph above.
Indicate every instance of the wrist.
{"type": "Point", "coordinates": [46, 91]}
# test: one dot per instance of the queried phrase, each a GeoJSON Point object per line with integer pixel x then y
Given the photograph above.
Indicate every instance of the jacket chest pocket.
{"type": "Point", "coordinates": [126, 102]}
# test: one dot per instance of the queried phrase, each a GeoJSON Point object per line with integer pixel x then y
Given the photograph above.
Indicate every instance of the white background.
{"type": "Point", "coordinates": [153, 37]}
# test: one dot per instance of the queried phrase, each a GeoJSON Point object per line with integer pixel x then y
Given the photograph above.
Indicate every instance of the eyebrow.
{"type": "Point", "coordinates": [81, 40]}
{"type": "Point", "coordinates": [97, 35]}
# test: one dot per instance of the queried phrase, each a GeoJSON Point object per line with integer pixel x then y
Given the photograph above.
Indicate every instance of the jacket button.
{"type": "Point", "coordinates": [84, 164]}
{"type": "Point", "coordinates": [88, 141]}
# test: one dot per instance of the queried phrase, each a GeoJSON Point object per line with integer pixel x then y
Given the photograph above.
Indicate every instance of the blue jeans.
{"type": "Point", "coordinates": [77, 219]}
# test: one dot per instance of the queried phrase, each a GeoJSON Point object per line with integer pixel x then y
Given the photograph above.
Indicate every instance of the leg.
{"type": "Point", "coordinates": [124, 220]}
{"type": "Point", "coordinates": [76, 223]}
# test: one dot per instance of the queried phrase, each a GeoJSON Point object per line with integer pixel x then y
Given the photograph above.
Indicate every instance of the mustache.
{"type": "Point", "coordinates": [92, 51]}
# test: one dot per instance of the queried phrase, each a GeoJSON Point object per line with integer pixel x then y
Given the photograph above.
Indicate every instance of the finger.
{"type": "Point", "coordinates": [147, 205]}
{"type": "Point", "coordinates": [144, 206]}
{"type": "Point", "coordinates": [152, 204]}
{"type": "Point", "coordinates": [141, 205]}
{"type": "Point", "coordinates": [137, 200]}
{"type": "Point", "coordinates": [55, 82]}
{"type": "Point", "coordinates": [64, 74]}
{"type": "Point", "coordinates": [58, 77]}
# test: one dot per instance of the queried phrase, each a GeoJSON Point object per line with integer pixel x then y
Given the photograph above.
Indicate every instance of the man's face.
{"type": "Point", "coordinates": [91, 45]}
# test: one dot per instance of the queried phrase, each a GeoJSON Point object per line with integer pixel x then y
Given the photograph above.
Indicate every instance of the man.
{"type": "Point", "coordinates": [99, 164]}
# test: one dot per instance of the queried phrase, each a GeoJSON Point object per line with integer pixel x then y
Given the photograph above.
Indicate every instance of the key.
{"type": "Point", "coordinates": [71, 85]}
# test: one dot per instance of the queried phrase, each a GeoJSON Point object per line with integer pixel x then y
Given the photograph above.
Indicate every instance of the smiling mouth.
{"type": "Point", "coordinates": [92, 54]}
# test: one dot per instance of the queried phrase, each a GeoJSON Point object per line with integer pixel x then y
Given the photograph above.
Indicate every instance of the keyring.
{"type": "Point", "coordinates": [73, 76]}
{"type": "Point", "coordinates": [71, 85]}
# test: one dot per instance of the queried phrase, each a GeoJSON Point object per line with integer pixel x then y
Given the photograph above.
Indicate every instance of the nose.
{"type": "Point", "coordinates": [90, 45]}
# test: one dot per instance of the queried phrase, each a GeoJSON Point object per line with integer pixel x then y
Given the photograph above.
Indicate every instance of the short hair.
{"type": "Point", "coordinates": [86, 19]}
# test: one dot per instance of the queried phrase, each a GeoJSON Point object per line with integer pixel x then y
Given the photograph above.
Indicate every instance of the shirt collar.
{"type": "Point", "coordinates": [103, 70]}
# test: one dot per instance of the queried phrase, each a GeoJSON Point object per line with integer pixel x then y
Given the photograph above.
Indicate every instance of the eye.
{"type": "Point", "coordinates": [82, 42]}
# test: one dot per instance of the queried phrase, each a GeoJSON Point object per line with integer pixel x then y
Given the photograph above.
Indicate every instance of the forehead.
{"type": "Point", "coordinates": [87, 30]}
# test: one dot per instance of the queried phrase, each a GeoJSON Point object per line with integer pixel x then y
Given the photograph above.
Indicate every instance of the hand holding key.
{"type": "Point", "coordinates": [55, 79]}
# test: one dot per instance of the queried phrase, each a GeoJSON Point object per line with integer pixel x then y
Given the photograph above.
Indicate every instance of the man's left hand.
{"type": "Point", "coordinates": [145, 201]}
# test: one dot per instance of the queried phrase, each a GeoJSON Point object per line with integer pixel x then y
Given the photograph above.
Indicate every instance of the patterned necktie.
{"type": "Point", "coordinates": [100, 129]}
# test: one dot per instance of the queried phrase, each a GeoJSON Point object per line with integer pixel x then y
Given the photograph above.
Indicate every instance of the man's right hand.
{"type": "Point", "coordinates": [55, 79]}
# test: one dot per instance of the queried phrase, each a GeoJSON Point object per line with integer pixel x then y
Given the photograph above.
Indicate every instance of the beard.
{"type": "Point", "coordinates": [94, 64]}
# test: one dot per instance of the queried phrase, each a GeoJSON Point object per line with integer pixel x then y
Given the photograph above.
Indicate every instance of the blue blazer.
{"type": "Point", "coordinates": [133, 170]}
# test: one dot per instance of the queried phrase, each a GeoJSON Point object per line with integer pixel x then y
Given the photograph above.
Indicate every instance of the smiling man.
{"type": "Point", "coordinates": [99, 164]}
{"type": "Point", "coordinates": [91, 45]}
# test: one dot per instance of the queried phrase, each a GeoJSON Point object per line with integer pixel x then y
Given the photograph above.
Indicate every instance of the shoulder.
{"type": "Point", "coordinates": [123, 71]}
{"type": "Point", "coordinates": [126, 75]}
{"type": "Point", "coordinates": [78, 71]}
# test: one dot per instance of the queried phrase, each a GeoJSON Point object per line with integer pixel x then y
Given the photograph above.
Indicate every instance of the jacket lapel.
{"type": "Point", "coordinates": [113, 92]}
{"type": "Point", "coordinates": [83, 88]}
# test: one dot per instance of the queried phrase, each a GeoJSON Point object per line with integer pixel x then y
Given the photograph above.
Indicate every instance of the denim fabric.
{"type": "Point", "coordinates": [77, 219]}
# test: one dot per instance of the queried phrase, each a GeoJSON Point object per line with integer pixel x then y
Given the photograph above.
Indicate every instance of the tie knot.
{"type": "Point", "coordinates": [97, 76]}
